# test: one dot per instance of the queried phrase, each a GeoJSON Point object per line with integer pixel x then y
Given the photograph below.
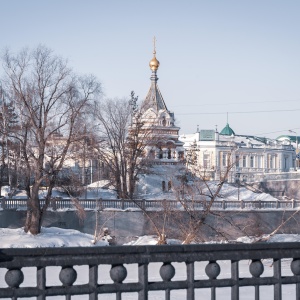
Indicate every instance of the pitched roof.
{"type": "Point", "coordinates": [154, 97]}
{"type": "Point", "coordinates": [227, 130]}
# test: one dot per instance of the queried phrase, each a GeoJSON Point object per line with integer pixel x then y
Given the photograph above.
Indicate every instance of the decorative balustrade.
{"type": "Point", "coordinates": [266, 176]}
{"type": "Point", "coordinates": [60, 203]}
{"type": "Point", "coordinates": [100, 204]}
{"type": "Point", "coordinates": [202, 268]}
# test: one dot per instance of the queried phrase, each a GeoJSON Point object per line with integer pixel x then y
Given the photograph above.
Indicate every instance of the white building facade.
{"type": "Point", "coordinates": [245, 155]}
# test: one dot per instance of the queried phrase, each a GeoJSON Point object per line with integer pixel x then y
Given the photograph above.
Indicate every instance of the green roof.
{"type": "Point", "coordinates": [292, 138]}
{"type": "Point", "coordinates": [227, 130]}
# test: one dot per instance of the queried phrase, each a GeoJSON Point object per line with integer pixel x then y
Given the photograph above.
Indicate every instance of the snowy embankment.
{"type": "Point", "coordinates": [49, 237]}
{"type": "Point", "coordinates": [150, 189]}
{"type": "Point", "coordinates": [57, 237]}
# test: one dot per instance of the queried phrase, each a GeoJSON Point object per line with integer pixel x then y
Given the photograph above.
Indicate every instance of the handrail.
{"type": "Point", "coordinates": [124, 204]}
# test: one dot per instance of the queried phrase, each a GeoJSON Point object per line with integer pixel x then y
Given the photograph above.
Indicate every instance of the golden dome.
{"type": "Point", "coordinates": [154, 63]}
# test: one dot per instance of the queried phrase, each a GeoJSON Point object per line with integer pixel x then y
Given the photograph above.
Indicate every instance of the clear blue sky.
{"type": "Point", "coordinates": [216, 56]}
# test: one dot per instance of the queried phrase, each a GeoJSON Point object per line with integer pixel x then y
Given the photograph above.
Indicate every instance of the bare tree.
{"type": "Point", "coordinates": [49, 98]}
{"type": "Point", "coordinates": [196, 194]}
{"type": "Point", "coordinates": [124, 137]}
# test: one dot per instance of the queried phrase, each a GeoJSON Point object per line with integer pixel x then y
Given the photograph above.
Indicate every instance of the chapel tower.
{"type": "Point", "coordinates": [166, 147]}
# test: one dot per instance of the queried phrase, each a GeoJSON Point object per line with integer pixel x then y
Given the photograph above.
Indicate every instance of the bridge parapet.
{"type": "Point", "coordinates": [120, 258]}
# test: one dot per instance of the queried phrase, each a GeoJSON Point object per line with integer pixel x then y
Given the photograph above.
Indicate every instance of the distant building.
{"type": "Point", "coordinates": [165, 150]}
{"type": "Point", "coordinates": [165, 147]}
{"type": "Point", "coordinates": [248, 155]}
{"type": "Point", "coordinates": [294, 140]}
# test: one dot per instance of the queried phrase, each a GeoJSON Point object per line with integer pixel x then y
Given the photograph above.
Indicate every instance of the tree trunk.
{"type": "Point", "coordinates": [33, 222]}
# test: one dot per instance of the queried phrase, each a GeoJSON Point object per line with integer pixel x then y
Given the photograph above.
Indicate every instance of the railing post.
{"type": "Point", "coordinates": [242, 204]}
{"type": "Point", "coordinates": [143, 280]}
{"type": "Point", "coordinates": [53, 203]}
{"type": "Point", "coordinates": [3, 204]}
{"type": "Point", "coordinates": [277, 275]}
{"type": "Point", "coordinates": [143, 204]}
{"type": "Point", "coordinates": [277, 204]}
{"type": "Point", "coordinates": [190, 279]}
{"type": "Point", "coordinates": [223, 205]}
{"type": "Point", "coordinates": [93, 281]}
{"type": "Point", "coordinates": [123, 204]}
{"type": "Point", "coordinates": [293, 203]}
{"type": "Point", "coordinates": [164, 203]}
{"type": "Point", "coordinates": [41, 282]}
{"type": "Point", "coordinates": [235, 278]}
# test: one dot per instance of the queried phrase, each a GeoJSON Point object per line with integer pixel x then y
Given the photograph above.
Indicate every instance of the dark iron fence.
{"type": "Point", "coordinates": [119, 258]}
{"type": "Point", "coordinates": [62, 203]}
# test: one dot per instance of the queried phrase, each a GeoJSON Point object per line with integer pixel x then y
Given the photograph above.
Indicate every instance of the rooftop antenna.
{"type": "Point", "coordinates": [197, 128]}
{"type": "Point", "coordinates": [227, 117]}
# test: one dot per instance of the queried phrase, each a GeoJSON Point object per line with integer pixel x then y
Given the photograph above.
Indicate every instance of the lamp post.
{"type": "Point", "coordinates": [237, 179]}
{"type": "Point", "coordinates": [297, 151]}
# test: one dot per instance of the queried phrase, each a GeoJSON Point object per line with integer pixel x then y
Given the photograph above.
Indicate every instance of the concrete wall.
{"type": "Point", "coordinates": [288, 188]}
{"type": "Point", "coordinates": [127, 225]}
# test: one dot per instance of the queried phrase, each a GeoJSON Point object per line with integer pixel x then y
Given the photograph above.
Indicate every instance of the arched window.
{"type": "Point", "coordinates": [169, 185]}
{"type": "Point", "coordinates": [160, 153]}
{"type": "Point", "coordinates": [163, 185]}
{"type": "Point", "coordinates": [164, 121]}
{"type": "Point", "coordinates": [169, 154]}
{"type": "Point", "coordinates": [152, 154]}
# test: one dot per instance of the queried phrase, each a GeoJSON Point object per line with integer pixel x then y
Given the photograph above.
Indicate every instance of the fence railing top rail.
{"type": "Point", "coordinates": [149, 253]}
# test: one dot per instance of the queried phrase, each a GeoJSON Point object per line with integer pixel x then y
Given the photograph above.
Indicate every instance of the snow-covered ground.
{"type": "Point", "coordinates": [100, 189]}
{"type": "Point", "coordinates": [149, 187]}
{"type": "Point", "coordinates": [58, 237]}
{"type": "Point", "coordinates": [49, 237]}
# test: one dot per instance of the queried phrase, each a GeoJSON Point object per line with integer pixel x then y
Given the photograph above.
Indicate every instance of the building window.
{"type": "Point", "coordinates": [169, 154]}
{"type": "Point", "coordinates": [206, 161]}
{"type": "Point", "coordinates": [152, 154]}
{"type": "Point", "coordinates": [259, 161]}
{"type": "Point", "coordinates": [270, 162]}
{"type": "Point", "coordinates": [251, 161]}
{"type": "Point", "coordinates": [285, 162]}
{"type": "Point", "coordinates": [163, 185]}
{"type": "Point", "coordinates": [237, 161]}
{"type": "Point", "coordinates": [169, 185]}
{"type": "Point", "coordinates": [244, 161]}
{"type": "Point", "coordinates": [224, 160]}
{"type": "Point", "coordinates": [160, 153]}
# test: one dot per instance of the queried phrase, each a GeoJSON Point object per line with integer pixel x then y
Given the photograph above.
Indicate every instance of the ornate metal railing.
{"type": "Point", "coordinates": [220, 266]}
{"type": "Point", "coordinates": [60, 203]}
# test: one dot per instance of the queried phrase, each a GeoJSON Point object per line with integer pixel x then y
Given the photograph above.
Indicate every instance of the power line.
{"type": "Point", "coordinates": [235, 103]}
{"type": "Point", "coordinates": [284, 130]}
{"type": "Point", "coordinates": [238, 112]}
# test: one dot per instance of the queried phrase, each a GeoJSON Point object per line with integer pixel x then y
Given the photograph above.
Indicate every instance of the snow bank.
{"type": "Point", "coordinates": [276, 238]}
{"type": "Point", "coordinates": [49, 237]}
{"type": "Point", "coordinates": [151, 240]}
